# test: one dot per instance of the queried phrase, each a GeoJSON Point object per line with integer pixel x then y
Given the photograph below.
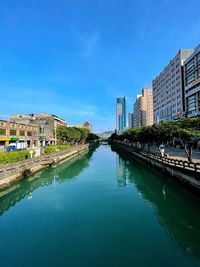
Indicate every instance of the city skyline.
{"type": "Point", "coordinates": [74, 59]}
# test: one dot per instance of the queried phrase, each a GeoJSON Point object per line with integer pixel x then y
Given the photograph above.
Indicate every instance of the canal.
{"type": "Point", "coordinates": [101, 209]}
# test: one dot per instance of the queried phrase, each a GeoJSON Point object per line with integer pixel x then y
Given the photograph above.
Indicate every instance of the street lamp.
{"type": "Point", "coordinates": [42, 123]}
{"type": "Point", "coordinates": [55, 131]}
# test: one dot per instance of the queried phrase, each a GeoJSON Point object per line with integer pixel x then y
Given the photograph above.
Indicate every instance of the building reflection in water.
{"type": "Point", "coordinates": [122, 172]}
{"type": "Point", "coordinates": [51, 176]}
{"type": "Point", "coordinates": [176, 208]}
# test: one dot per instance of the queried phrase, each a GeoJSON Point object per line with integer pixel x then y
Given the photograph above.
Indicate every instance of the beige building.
{"type": "Point", "coordinates": [85, 125]}
{"type": "Point", "coordinates": [88, 126]}
{"type": "Point", "coordinates": [47, 124]}
{"type": "Point", "coordinates": [168, 90]}
{"type": "Point", "coordinates": [143, 109]}
{"type": "Point", "coordinates": [12, 133]}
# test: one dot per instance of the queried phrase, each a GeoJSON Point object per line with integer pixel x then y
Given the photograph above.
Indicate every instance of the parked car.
{"type": "Point", "coordinates": [11, 148]}
{"type": "Point", "coordinates": [16, 146]}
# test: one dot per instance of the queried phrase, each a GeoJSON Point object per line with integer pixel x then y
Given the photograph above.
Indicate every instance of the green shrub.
{"type": "Point", "coordinates": [52, 148]}
{"type": "Point", "coordinates": [49, 149]}
{"type": "Point", "coordinates": [63, 147]}
{"type": "Point", "coordinates": [14, 156]}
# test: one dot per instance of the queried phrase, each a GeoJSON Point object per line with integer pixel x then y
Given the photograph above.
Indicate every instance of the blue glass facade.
{"type": "Point", "coordinates": [121, 120]}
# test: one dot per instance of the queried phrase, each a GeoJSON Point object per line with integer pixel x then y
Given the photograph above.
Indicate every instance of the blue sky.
{"type": "Point", "coordinates": [74, 57]}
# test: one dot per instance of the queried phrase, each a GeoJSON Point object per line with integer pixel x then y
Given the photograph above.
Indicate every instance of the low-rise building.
{"type": "Point", "coordinates": [47, 124]}
{"type": "Point", "coordinates": [192, 83]}
{"type": "Point", "coordinates": [12, 133]}
{"type": "Point", "coordinates": [85, 125]}
{"type": "Point", "coordinates": [88, 126]}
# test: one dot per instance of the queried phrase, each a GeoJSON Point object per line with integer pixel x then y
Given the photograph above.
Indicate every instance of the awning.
{"type": "Point", "coordinates": [4, 139]}
{"type": "Point", "coordinates": [14, 139]}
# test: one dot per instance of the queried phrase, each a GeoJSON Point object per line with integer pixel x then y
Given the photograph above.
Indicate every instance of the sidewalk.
{"type": "Point", "coordinates": [179, 154]}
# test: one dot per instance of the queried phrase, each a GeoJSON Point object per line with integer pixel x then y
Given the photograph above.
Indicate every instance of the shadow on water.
{"type": "Point", "coordinates": [176, 207]}
{"type": "Point", "coordinates": [60, 173]}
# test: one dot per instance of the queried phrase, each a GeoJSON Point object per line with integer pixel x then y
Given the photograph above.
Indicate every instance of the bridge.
{"type": "Point", "coordinates": [104, 141]}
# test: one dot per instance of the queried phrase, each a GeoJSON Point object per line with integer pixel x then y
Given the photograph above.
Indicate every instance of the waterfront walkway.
{"type": "Point", "coordinates": [179, 154]}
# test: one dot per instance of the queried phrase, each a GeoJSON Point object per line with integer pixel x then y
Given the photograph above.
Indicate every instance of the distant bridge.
{"type": "Point", "coordinates": [104, 141]}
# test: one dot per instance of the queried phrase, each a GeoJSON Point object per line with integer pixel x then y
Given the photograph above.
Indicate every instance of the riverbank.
{"type": "Point", "coordinates": [12, 173]}
{"type": "Point", "coordinates": [184, 171]}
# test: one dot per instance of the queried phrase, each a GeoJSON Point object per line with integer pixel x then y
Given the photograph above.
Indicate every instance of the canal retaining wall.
{"type": "Point", "coordinates": [13, 172]}
{"type": "Point", "coordinates": [184, 171]}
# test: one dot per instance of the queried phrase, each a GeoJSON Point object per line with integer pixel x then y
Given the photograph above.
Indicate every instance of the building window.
{"type": "Point", "coordinates": [13, 132]}
{"type": "Point", "coordinates": [29, 133]}
{"type": "Point", "coordinates": [2, 131]}
{"type": "Point", "coordinates": [22, 133]}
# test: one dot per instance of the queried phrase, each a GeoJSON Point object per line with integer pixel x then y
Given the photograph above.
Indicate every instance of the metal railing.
{"type": "Point", "coordinates": [9, 169]}
{"type": "Point", "coordinates": [183, 165]}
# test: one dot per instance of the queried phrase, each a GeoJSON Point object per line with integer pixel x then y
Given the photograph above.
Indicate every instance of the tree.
{"type": "Point", "coordinates": [84, 134]}
{"type": "Point", "coordinates": [68, 134]}
{"type": "Point", "coordinates": [92, 137]}
{"type": "Point", "coordinates": [188, 138]}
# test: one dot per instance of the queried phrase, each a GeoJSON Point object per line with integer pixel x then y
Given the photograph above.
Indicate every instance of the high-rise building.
{"type": "Point", "coordinates": [121, 123]}
{"type": "Point", "coordinates": [192, 83]}
{"type": "Point", "coordinates": [137, 114]}
{"type": "Point", "coordinates": [130, 120]}
{"type": "Point", "coordinates": [143, 109]}
{"type": "Point", "coordinates": [168, 90]}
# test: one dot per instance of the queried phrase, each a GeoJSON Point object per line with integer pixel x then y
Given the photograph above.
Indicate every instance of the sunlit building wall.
{"type": "Point", "coordinates": [192, 83]}
{"type": "Point", "coordinates": [121, 122]}
{"type": "Point", "coordinates": [168, 90]}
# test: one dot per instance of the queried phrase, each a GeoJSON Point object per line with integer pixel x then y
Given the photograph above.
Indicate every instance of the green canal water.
{"type": "Point", "coordinates": [100, 209]}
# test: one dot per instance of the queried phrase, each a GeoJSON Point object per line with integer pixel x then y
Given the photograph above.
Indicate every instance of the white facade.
{"type": "Point", "coordinates": [168, 90]}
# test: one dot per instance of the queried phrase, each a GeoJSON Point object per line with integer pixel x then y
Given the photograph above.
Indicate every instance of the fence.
{"type": "Point", "coordinates": [190, 168]}
{"type": "Point", "coordinates": [24, 167]}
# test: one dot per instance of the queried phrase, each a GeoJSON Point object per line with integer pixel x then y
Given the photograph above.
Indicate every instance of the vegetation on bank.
{"type": "Point", "coordinates": [185, 132]}
{"type": "Point", "coordinates": [53, 148]}
{"type": "Point", "coordinates": [14, 156]}
{"type": "Point", "coordinates": [66, 136]}
{"type": "Point", "coordinates": [72, 135]}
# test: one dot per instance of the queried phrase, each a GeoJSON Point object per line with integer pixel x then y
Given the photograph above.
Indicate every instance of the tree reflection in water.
{"type": "Point", "coordinates": [176, 207]}
{"type": "Point", "coordinates": [60, 173]}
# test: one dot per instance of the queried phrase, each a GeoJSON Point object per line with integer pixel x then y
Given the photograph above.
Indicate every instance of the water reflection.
{"type": "Point", "coordinates": [122, 175]}
{"type": "Point", "coordinates": [58, 174]}
{"type": "Point", "coordinates": [176, 207]}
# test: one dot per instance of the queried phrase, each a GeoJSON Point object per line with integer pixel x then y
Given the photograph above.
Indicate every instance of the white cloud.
{"type": "Point", "coordinates": [4, 117]}
{"type": "Point", "coordinates": [90, 44]}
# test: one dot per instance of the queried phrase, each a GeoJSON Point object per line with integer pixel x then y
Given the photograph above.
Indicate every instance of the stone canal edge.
{"type": "Point", "coordinates": [183, 171]}
{"type": "Point", "coordinates": [12, 173]}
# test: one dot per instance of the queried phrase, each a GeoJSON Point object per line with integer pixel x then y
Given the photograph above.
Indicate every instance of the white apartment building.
{"type": "Point", "coordinates": [192, 83]}
{"type": "Point", "coordinates": [168, 90]}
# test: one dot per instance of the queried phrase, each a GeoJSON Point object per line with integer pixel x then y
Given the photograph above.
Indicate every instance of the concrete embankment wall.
{"type": "Point", "coordinates": [11, 173]}
{"type": "Point", "coordinates": [185, 172]}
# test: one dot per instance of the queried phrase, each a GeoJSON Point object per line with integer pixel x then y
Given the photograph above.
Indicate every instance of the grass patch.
{"type": "Point", "coordinates": [14, 156]}
{"type": "Point", "coordinates": [52, 148]}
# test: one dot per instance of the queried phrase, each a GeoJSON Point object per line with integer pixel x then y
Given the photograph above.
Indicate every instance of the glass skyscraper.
{"type": "Point", "coordinates": [121, 122]}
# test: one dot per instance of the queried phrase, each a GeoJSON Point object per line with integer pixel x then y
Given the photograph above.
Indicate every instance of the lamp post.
{"type": "Point", "coordinates": [42, 123]}
{"type": "Point", "coordinates": [55, 131]}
